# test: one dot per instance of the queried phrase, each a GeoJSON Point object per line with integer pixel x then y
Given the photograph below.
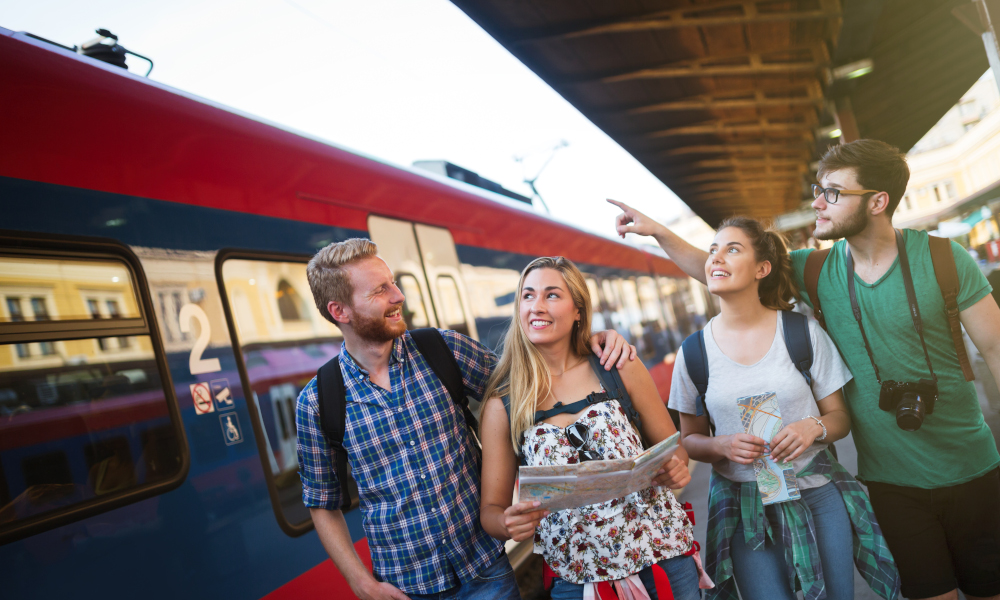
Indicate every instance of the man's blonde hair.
{"type": "Point", "coordinates": [328, 279]}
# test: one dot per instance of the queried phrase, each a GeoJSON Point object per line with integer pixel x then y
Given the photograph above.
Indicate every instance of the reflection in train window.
{"type": "Point", "coordinates": [450, 313]}
{"type": "Point", "coordinates": [597, 319]}
{"type": "Point", "coordinates": [414, 310]}
{"type": "Point", "coordinates": [281, 354]}
{"type": "Point", "coordinates": [84, 415]}
{"type": "Point", "coordinates": [289, 302]}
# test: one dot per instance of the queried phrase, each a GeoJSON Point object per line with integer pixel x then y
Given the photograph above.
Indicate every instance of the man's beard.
{"type": "Point", "coordinates": [376, 329]}
{"type": "Point", "coordinates": [855, 224]}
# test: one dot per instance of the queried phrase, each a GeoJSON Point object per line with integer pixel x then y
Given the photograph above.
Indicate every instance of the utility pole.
{"type": "Point", "coordinates": [531, 182]}
{"type": "Point", "coordinates": [983, 18]}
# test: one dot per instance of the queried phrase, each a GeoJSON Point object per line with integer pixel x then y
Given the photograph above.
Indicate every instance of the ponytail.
{"type": "Point", "coordinates": [777, 289]}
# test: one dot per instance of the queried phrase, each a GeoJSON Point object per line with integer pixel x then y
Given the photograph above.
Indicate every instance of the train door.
{"type": "Point", "coordinates": [448, 292]}
{"type": "Point", "coordinates": [283, 398]}
{"type": "Point", "coordinates": [397, 245]}
{"type": "Point", "coordinates": [427, 270]}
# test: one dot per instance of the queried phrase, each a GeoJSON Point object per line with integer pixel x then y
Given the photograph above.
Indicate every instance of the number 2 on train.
{"type": "Point", "coordinates": [196, 363]}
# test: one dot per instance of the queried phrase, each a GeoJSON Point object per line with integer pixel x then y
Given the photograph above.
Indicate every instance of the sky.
{"type": "Point", "coordinates": [399, 80]}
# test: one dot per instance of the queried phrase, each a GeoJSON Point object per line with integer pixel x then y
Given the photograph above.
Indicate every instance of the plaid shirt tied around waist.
{"type": "Point", "coordinates": [731, 502]}
{"type": "Point", "coordinates": [415, 464]}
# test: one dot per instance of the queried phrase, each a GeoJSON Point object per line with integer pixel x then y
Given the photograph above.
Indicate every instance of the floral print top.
{"type": "Point", "coordinates": [613, 539]}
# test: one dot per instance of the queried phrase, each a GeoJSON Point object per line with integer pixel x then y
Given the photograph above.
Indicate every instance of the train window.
{"type": "Point", "coordinates": [631, 295]}
{"type": "Point", "coordinates": [649, 298]}
{"type": "Point", "coordinates": [491, 292]}
{"type": "Point", "coordinates": [414, 309]}
{"type": "Point", "coordinates": [678, 293]}
{"type": "Point", "coordinates": [282, 345]}
{"type": "Point", "coordinates": [595, 294]}
{"type": "Point", "coordinates": [450, 313]}
{"type": "Point", "coordinates": [87, 423]}
{"type": "Point", "coordinates": [597, 319]}
{"type": "Point", "coordinates": [289, 302]}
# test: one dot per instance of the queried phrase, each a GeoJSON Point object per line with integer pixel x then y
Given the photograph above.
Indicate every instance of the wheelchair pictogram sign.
{"type": "Point", "coordinates": [231, 432]}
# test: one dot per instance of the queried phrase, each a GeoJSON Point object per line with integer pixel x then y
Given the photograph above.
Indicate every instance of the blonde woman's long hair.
{"type": "Point", "coordinates": [522, 373]}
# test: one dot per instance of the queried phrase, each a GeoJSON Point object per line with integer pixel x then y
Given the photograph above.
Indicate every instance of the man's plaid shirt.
{"type": "Point", "coordinates": [415, 464]}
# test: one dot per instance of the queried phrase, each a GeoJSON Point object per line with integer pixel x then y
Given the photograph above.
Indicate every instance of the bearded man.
{"type": "Point", "coordinates": [933, 478]}
{"type": "Point", "coordinates": [415, 462]}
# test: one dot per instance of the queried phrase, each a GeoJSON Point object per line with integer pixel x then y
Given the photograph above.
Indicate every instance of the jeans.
{"type": "Point", "coordinates": [681, 571]}
{"type": "Point", "coordinates": [761, 574]}
{"type": "Point", "coordinates": [495, 582]}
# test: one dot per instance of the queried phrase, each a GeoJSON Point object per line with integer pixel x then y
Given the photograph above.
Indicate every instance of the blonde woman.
{"type": "Point", "coordinates": [545, 368]}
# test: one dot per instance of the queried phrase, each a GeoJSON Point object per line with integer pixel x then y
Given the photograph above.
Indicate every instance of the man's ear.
{"type": "Point", "coordinates": [763, 269]}
{"type": "Point", "coordinates": [341, 313]}
{"type": "Point", "coordinates": [878, 203]}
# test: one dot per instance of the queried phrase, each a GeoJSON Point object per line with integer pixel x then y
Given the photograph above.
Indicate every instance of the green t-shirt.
{"type": "Point", "coordinates": [954, 445]}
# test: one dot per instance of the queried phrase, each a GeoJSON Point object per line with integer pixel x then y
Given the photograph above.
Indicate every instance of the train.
{"type": "Point", "coordinates": [156, 324]}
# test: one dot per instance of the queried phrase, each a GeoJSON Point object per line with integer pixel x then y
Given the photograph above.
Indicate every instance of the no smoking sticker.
{"type": "Point", "coordinates": [201, 396]}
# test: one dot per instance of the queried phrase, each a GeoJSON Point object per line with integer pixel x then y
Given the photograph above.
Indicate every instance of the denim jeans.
{"type": "Point", "coordinates": [681, 571]}
{"type": "Point", "coordinates": [495, 582]}
{"type": "Point", "coordinates": [761, 574]}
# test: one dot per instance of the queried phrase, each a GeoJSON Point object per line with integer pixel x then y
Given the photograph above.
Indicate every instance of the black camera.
{"type": "Point", "coordinates": [911, 401]}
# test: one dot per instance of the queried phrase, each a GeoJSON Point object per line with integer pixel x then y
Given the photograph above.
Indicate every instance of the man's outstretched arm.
{"type": "Point", "coordinates": [691, 260]}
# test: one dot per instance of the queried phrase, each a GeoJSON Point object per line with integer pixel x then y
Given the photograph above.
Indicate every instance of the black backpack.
{"type": "Point", "coordinates": [333, 399]}
{"type": "Point", "coordinates": [614, 389]}
{"type": "Point", "coordinates": [796, 329]}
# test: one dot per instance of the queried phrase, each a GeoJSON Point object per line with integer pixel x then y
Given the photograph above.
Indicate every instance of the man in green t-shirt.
{"type": "Point", "coordinates": [936, 490]}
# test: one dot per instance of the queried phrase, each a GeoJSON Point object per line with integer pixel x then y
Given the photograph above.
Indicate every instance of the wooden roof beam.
{"type": "Point", "coordinates": [721, 12]}
{"type": "Point", "coordinates": [750, 63]}
{"type": "Point", "coordinates": [759, 100]}
{"type": "Point", "coordinates": [754, 175]}
{"type": "Point", "coordinates": [798, 148]}
{"type": "Point", "coordinates": [721, 127]}
{"type": "Point", "coordinates": [773, 186]}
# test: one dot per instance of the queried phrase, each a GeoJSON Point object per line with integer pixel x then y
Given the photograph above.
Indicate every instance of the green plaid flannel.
{"type": "Point", "coordinates": [730, 502]}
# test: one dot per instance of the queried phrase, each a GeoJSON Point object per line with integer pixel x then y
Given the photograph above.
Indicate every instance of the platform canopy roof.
{"type": "Point", "coordinates": [730, 102]}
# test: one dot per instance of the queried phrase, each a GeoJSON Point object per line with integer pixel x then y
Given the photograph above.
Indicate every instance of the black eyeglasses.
{"type": "Point", "coordinates": [578, 435]}
{"type": "Point", "coordinates": [833, 194]}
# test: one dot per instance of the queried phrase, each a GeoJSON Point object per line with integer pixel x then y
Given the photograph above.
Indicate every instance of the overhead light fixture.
{"type": "Point", "coordinates": [836, 133]}
{"type": "Point", "coordinates": [853, 70]}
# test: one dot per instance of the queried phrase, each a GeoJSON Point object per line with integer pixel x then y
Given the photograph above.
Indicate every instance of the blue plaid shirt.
{"type": "Point", "coordinates": [415, 464]}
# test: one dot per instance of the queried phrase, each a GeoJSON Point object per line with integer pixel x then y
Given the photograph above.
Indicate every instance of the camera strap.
{"type": "Point", "coordinates": [911, 298]}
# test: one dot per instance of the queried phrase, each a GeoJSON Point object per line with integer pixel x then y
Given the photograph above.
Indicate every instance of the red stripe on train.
{"type": "Point", "coordinates": [323, 581]}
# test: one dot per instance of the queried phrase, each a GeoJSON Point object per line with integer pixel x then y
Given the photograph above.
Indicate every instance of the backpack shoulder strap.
{"type": "Point", "coordinates": [333, 421]}
{"type": "Point", "coordinates": [696, 361]}
{"type": "Point", "coordinates": [947, 278]}
{"type": "Point", "coordinates": [795, 327]}
{"type": "Point", "coordinates": [615, 388]}
{"type": "Point", "coordinates": [442, 361]}
{"type": "Point", "coordinates": [814, 266]}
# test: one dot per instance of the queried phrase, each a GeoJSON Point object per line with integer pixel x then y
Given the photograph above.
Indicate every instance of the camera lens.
{"type": "Point", "coordinates": [910, 412]}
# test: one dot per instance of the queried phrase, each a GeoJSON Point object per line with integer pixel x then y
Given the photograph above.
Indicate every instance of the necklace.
{"type": "Point", "coordinates": [582, 360]}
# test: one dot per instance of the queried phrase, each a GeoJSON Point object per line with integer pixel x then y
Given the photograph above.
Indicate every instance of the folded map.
{"type": "Point", "coordinates": [560, 487]}
{"type": "Point", "coordinates": [761, 417]}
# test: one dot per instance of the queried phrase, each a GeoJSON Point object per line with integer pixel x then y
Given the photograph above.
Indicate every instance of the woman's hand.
{"type": "Point", "coordinates": [522, 518]}
{"type": "Point", "coordinates": [674, 474]}
{"type": "Point", "coordinates": [740, 448]}
{"type": "Point", "coordinates": [633, 221]}
{"type": "Point", "coordinates": [794, 439]}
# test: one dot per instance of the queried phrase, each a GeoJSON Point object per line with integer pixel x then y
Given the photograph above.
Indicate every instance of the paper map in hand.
{"type": "Point", "coordinates": [761, 417]}
{"type": "Point", "coordinates": [559, 487]}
